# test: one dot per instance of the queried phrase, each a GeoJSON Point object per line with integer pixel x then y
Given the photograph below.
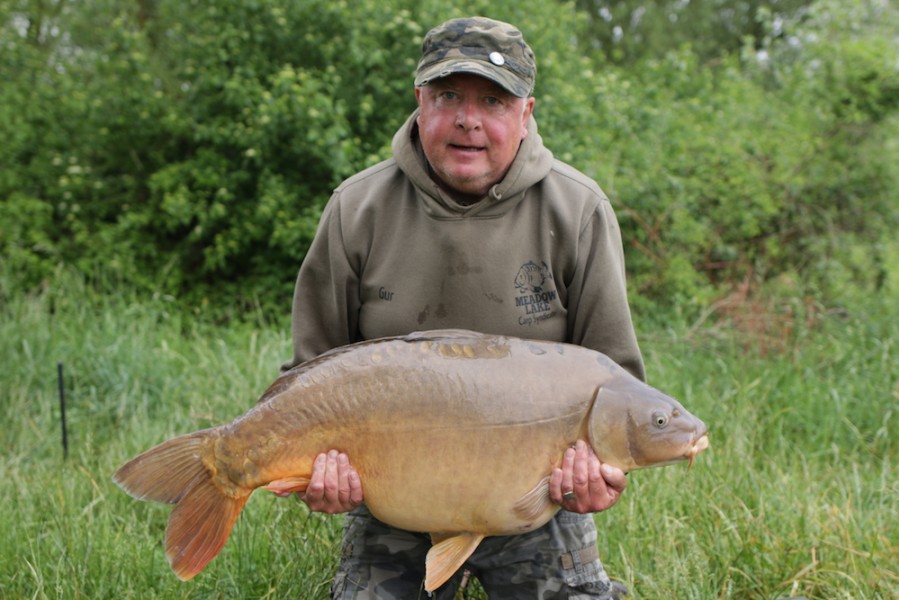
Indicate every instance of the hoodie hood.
{"type": "Point", "coordinates": [532, 163]}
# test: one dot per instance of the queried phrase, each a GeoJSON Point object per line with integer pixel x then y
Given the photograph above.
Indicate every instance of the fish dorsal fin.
{"type": "Point", "coordinates": [287, 485]}
{"type": "Point", "coordinates": [446, 557]}
{"type": "Point", "coordinates": [445, 335]}
{"type": "Point", "coordinates": [535, 503]}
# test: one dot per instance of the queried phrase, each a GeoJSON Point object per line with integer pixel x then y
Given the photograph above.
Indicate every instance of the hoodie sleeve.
{"type": "Point", "coordinates": [598, 313]}
{"type": "Point", "coordinates": [326, 298]}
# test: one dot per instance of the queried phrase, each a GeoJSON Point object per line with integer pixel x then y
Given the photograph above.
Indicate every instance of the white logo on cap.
{"type": "Point", "coordinates": [497, 59]}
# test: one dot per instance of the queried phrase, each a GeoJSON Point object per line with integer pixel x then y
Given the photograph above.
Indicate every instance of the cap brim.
{"type": "Point", "coordinates": [504, 78]}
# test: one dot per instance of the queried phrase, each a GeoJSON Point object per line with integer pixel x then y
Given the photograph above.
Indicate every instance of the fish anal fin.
{"type": "Point", "coordinates": [436, 538]}
{"type": "Point", "coordinates": [447, 556]}
{"type": "Point", "coordinates": [535, 503]}
{"type": "Point", "coordinates": [199, 526]}
{"type": "Point", "coordinates": [288, 485]}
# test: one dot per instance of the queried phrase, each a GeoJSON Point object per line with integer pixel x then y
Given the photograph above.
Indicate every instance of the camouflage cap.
{"type": "Point", "coordinates": [480, 46]}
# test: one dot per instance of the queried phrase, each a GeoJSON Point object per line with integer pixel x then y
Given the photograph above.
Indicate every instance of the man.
{"type": "Point", "coordinates": [472, 224]}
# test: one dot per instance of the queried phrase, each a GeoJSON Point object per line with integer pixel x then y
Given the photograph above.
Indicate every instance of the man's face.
{"type": "Point", "coordinates": [470, 130]}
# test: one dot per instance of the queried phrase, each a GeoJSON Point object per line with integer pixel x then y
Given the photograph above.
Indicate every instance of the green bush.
{"type": "Point", "coordinates": [189, 147]}
{"type": "Point", "coordinates": [779, 161]}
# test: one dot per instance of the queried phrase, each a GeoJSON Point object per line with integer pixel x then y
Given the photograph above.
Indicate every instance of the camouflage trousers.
{"type": "Point", "coordinates": [558, 560]}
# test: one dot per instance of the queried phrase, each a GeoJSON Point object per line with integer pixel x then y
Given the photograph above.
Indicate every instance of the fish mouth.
{"type": "Point", "coordinates": [698, 446]}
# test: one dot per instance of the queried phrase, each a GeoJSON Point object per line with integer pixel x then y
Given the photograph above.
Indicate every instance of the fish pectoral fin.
{"type": "Point", "coordinates": [535, 503]}
{"type": "Point", "coordinates": [447, 556]}
{"type": "Point", "coordinates": [288, 485]}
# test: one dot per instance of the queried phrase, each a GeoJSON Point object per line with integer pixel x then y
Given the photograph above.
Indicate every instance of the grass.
{"type": "Point", "coordinates": [798, 495]}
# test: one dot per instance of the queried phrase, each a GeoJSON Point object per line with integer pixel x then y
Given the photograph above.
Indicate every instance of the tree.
{"type": "Point", "coordinates": [188, 148]}
{"type": "Point", "coordinates": [625, 31]}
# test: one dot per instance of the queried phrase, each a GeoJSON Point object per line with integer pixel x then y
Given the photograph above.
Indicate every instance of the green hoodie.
{"type": "Point", "coordinates": [539, 257]}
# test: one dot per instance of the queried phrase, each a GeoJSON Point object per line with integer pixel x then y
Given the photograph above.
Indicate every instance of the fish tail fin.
{"type": "Point", "coordinates": [199, 526]}
{"type": "Point", "coordinates": [165, 472]}
{"type": "Point", "coordinates": [174, 472]}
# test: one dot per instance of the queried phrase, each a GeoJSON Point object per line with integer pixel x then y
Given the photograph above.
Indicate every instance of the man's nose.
{"type": "Point", "coordinates": [468, 116]}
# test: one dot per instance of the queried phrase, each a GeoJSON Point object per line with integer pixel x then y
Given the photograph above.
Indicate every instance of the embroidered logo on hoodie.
{"type": "Point", "coordinates": [536, 292]}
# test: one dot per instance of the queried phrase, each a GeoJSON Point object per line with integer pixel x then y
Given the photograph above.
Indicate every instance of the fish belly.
{"type": "Point", "coordinates": [459, 480]}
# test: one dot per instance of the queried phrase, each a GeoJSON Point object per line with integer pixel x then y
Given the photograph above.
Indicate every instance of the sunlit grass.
{"type": "Point", "coordinates": [798, 495]}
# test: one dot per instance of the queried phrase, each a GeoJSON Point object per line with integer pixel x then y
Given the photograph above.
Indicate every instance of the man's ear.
{"type": "Point", "coordinates": [526, 115]}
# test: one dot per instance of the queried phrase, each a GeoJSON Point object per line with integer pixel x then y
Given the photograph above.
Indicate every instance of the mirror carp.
{"type": "Point", "coordinates": [453, 433]}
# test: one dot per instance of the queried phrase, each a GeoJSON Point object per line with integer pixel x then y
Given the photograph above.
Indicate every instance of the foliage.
{"type": "Point", "coordinates": [626, 31]}
{"type": "Point", "coordinates": [204, 137]}
{"type": "Point", "coordinates": [797, 495]}
{"type": "Point", "coordinates": [188, 147]}
{"type": "Point", "coordinates": [775, 162]}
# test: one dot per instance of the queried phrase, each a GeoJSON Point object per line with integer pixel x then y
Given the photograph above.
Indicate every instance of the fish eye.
{"type": "Point", "coordinates": [659, 419]}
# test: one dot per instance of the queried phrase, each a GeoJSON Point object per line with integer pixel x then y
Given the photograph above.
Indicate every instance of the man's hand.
{"type": "Point", "coordinates": [334, 487]}
{"type": "Point", "coordinates": [596, 486]}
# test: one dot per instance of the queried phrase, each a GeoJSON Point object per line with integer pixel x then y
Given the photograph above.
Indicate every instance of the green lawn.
{"type": "Point", "coordinates": [798, 495]}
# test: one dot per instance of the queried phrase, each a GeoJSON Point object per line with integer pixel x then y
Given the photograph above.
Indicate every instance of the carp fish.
{"type": "Point", "coordinates": [453, 433]}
